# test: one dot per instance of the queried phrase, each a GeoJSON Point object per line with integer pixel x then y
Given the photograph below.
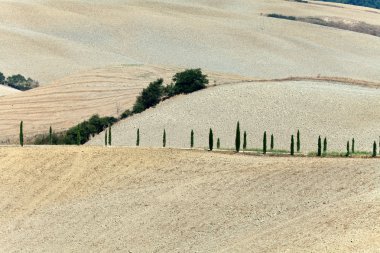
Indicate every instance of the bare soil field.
{"type": "Point", "coordinates": [87, 199]}
{"type": "Point", "coordinates": [107, 91]}
{"type": "Point", "coordinates": [336, 111]}
{"type": "Point", "coordinates": [50, 39]}
{"type": "Point", "coordinates": [5, 90]}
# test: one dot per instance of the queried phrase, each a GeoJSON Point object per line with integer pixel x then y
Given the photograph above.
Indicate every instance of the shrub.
{"type": "Point", "coordinates": [21, 133]}
{"type": "Point", "coordinates": [138, 137]}
{"type": "Point", "coordinates": [210, 140]}
{"type": "Point", "coordinates": [192, 139]}
{"type": "Point", "coordinates": [265, 143]}
{"type": "Point", "coordinates": [189, 81]}
{"type": "Point", "coordinates": [292, 145]}
{"type": "Point", "coordinates": [126, 114]}
{"type": "Point", "coordinates": [218, 144]}
{"type": "Point", "coordinates": [237, 137]}
{"type": "Point", "coordinates": [374, 151]}
{"type": "Point", "coordinates": [271, 142]}
{"type": "Point", "coordinates": [298, 141]}
{"type": "Point", "coordinates": [319, 153]}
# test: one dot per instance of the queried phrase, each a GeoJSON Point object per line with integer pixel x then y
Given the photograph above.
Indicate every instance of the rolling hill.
{"type": "Point", "coordinates": [5, 90]}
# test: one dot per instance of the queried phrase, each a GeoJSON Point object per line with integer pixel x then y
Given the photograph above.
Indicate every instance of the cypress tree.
{"type": "Point", "coordinates": [211, 140]}
{"type": "Point", "coordinates": [245, 140]}
{"type": "Point", "coordinates": [374, 152]}
{"type": "Point", "coordinates": [292, 145]}
{"type": "Point", "coordinates": [348, 149]}
{"type": "Point", "coordinates": [192, 139]}
{"type": "Point", "coordinates": [50, 136]}
{"type": "Point", "coordinates": [218, 144]}
{"type": "Point", "coordinates": [319, 146]}
{"type": "Point", "coordinates": [105, 138]}
{"type": "Point", "coordinates": [78, 136]}
{"type": "Point", "coordinates": [110, 136]}
{"type": "Point", "coordinates": [325, 145]}
{"type": "Point", "coordinates": [265, 143]}
{"type": "Point", "coordinates": [164, 139]}
{"type": "Point", "coordinates": [271, 142]}
{"type": "Point", "coordinates": [298, 141]}
{"type": "Point", "coordinates": [237, 138]}
{"type": "Point", "coordinates": [138, 137]}
{"type": "Point", "coordinates": [21, 133]}
{"type": "Point", "coordinates": [353, 146]}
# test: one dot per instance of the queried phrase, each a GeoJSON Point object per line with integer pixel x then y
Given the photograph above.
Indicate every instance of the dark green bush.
{"type": "Point", "coordinates": [189, 81]}
{"type": "Point", "coordinates": [150, 96]}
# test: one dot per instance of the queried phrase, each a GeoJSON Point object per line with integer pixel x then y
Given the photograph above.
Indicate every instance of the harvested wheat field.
{"type": "Point", "coordinates": [86, 199]}
{"type": "Point", "coordinates": [55, 38]}
{"type": "Point", "coordinates": [107, 91]}
{"type": "Point", "coordinates": [336, 111]}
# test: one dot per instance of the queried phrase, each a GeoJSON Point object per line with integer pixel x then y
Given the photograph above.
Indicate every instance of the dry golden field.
{"type": "Point", "coordinates": [86, 199]}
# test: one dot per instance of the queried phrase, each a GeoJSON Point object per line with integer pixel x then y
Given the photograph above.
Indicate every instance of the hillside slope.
{"type": "Point", "coordinates": [5, 90]}
{"type": "Point", "coordinates": [107, 91]}
{"type": "Point", "coordinates": [54, 38]}
{"type": "Point", "coordinates": [336, 111]}
{"type": "Point", "coordinates": [156, 200]}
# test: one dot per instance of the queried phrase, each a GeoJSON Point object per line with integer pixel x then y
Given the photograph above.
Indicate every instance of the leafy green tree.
{"type": "Point", "coordinates": [164, 139]}
{"type": "Point", "coordinates": [292, 146]}
{"type": "Point", "coordinates": [271, 142]}
{"type": "Point", "coordinates": [150, 96]}
{"type": "Point", "coordinates": [192, 139]}
{"type": "Point", "coordinates": [374, 151]}
{"type": "Point", "coordinates": [353, 146]}
{"type": "Point", "coordinates": [210, 140]}
{"type": "Point", "coordinates": [237, 137]}
{"type": "Point", "coordinates": [189, 81]}
{"type": "Point", "coordinates": [22, 134]}
{"type": "Point", "coordinates": [298, 141]}
{"type": "Point", "coordinates": [138, 137]}
{"type": "Point", "coordinates": [2, 78]}
{"type": "Point", "coordinates": [265, 143]}
{"type": "Point", "coordinates": [325, 145]}
{"type": "Point", "coordinates": [218, 144]}
{"type": "Point", "coordinates": [245, 140]}
{"type": "Point", "coordinates": [319, 146]}
{"type": "Point", "coordinates": [50, 136]}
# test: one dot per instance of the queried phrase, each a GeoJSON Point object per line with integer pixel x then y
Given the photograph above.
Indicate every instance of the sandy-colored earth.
{"type": "Point", "coordinates": [338, 112]}
{"type": "Point", "coordinates": [5, 90]}
{"type": "Point", "coordinates": [88, 199]}
{"type": "Point", "coordinates": [107, 91]}
{"type": "Point", "coordinates": [49, 39]}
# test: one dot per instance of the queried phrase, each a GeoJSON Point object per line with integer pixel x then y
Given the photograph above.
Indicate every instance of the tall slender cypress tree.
{"type": "Point", "coordinates": [271, 142]}
{"type": "Point", "coordinates": [105, 138]}
{"type": "Point", "coordinates": [319, 146]}
{"type": "Point", "coordinates": [374, 151]}
{"type": "Point", "coordinates": [110, 136]}
{"type": "Point", "coordinates": [292, 145]}
{"type": "Point", "coordinates": [192, 139]}
{"type": "Point", "coordinates": [298, 141]}
{"type": "Point", "coordinates": [245, 140]}
{"type": "Point", "coordinates": [325, 145]}
{"type": "Point", "coordinates": [138, 137]}
{"type": "Point", "coordinates": [21, 134]}
{"type": "Point", "coordinates": [210, 140]}
{"type": "Point", "coordinates": [265, 143]}
{"type": "Point", "coordinates": [218, 144]}
{"type": "Point", "coordinates": [348, 149]}
{"type": "Point", "coordinates": [164, 139]}
{"type": "Point", "coordinates": [237, 137]}
{"type": "Point", "coordinates": [353, 146]}
{"type": "Point", "coordinates": [50, 136]}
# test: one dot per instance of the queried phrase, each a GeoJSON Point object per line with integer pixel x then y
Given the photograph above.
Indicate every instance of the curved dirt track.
{"type": "Point", "coordinates": [107, 91]}
{"type": "Point", "coordinates": [54, 38]}
{"type": "Point", "coordinates": [160, 200]}
{"type": "Point", "coordinates": [338, 112]}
